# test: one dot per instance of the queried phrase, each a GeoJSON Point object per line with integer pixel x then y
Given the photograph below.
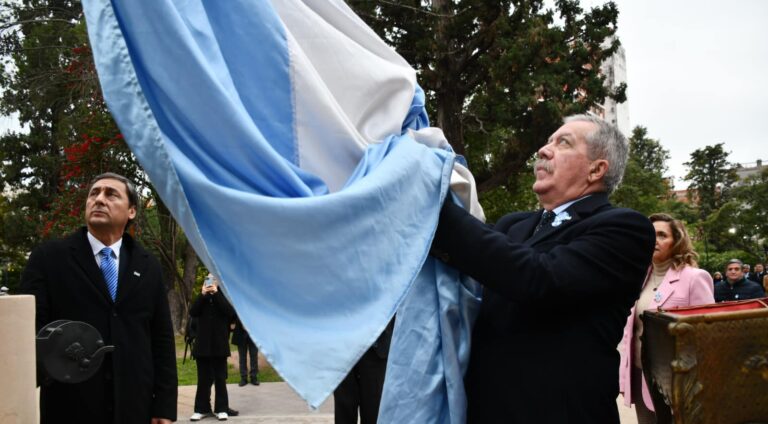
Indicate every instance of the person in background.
{"type": "Point", "coordinates": [674, 280]}
{"type": "Point", "coordinates": [736, 286]}
{"type": "Point", "coordinates": [745, 268]}
{"type": "Point", "coordinates": [717, 277]}
{"type": "Point", "coordinates": [360, 391]}
{"type": "Point", "coordinates": [211, 349]}
{"type": "Point", "coordinates": [246, 347]}
{"type": "Point", "coordinates": [758, 274]}
{"type": "Point", "coordinates": [100, 275]}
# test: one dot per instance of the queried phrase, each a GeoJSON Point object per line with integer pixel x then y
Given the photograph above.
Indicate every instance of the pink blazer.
{"type": "Point", "coordinates": [681, 287]}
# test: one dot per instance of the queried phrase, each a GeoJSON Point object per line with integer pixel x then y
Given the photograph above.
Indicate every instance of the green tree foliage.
{"type": "Point", "coordinates": [499, 76]}
{"type": "Point", "coordinates": [751, 223]}
{"type": "Point", "coordinates": [499, 200]}
{"type": "Point", "coordinates": [717, 260]}
{"type": "Point", "coordinates": [738, 228]}
{"type": "Point", "coordinates": [37, 46]}
{"type": "Point", "coordinates": [680, 210]}
{"type": "Point", "coordinates": [49, 81]}
{"type": "Point", "coordinates": [644, 187]}
{"type": "Point", "coordinates": [711, 177]}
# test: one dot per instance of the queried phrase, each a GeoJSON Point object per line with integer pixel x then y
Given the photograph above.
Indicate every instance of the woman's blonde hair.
{"type": "Point", "coordinates": [682, 248]}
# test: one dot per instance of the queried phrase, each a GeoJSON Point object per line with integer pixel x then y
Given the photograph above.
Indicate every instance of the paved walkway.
{"type": "Point", "coordinates": [269, 403]}
{"type": "Point", "coordinates": [276, 403]}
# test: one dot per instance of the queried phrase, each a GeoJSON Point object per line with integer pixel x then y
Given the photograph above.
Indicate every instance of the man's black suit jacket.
{"type": "Point", "coordinates": [138, 380]}
{"type": "Point", "coordinates": [544, 347]}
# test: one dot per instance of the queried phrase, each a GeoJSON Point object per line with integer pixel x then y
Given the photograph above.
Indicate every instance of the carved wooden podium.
{"type": "Point", "coordinates": [710, 362]}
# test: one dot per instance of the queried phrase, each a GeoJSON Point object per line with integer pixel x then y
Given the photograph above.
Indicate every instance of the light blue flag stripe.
{"type": "Point", "coordinates": [204, 94]}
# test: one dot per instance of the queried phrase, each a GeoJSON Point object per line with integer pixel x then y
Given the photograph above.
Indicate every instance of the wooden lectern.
{"type": "Point", "coordinates": [710, 363]}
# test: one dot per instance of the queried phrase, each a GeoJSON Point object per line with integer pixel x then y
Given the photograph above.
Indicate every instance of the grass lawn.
{"type": "Point", "coordinates": [188, 370]}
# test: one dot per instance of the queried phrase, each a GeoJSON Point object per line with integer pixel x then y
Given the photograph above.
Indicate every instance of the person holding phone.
{"type": "Point", "coordinates": [211, 349]}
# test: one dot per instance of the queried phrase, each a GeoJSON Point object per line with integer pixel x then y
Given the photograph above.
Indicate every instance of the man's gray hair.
{"type": "Point", "coordinates": [608, 143]}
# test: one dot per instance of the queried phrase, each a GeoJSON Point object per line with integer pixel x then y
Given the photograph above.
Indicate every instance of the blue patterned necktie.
{"type": "Point", "coordinates": [109, 269]}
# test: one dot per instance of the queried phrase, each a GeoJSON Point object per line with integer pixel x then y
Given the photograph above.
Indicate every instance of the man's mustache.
{"type": "Point", "coordinates": [543, 164]}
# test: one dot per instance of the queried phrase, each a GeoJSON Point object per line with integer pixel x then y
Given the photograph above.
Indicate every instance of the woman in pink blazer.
{"type": "Point", "coordinates": [673, 280]}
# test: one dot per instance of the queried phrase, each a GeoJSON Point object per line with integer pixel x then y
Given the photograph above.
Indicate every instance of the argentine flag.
{"type": "Point", "coordinates": [293, 147]}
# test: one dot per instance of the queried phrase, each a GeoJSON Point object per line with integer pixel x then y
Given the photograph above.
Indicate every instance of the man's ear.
{"type": "Point", "coordinates": [132, 212]}
{"type": "Point", "coordinates": [597, 170]}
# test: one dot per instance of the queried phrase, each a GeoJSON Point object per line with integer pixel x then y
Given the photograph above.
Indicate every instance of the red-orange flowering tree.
{"type": "Point", "coordinates": [67, 137]}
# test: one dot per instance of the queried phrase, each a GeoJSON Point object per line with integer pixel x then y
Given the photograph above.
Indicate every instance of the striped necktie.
{"type": "Point", "coordinates": [109, 269]}
{"type": "Point", "coordinates": [546, 218]}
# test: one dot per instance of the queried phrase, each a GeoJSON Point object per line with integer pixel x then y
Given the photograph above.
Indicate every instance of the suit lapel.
{"type": "Point", "coordinates": [578, 211]}
{"type": "Point", "coordinates": [666, 288]}
{"type": "Point", "coordinates": [82, 255]}
{"type": "Point", "coordinates": [543, 232]}
{"type": "Point", "coordinates": [132, 266]}
{"type": "Point", "coordinates": [521, 231]}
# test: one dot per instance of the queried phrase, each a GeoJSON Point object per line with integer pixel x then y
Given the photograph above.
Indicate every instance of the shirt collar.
{"type": "Point", "coordinates": [97, 245]}
{"type": "Point", "coordinates": [566, 205]}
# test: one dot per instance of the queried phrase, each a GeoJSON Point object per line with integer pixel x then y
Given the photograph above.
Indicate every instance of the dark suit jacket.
{"type": "Point", "coordinates": [742, 290]}
{"type": "Point", "coordinates": [240, 337]}
{"type": "Point", "coordinates": [756, 277]}
{"type": "Point", "coordinates": [554, 307]}
{"type": "Point", "coordinates": [381, 345]}
{"type": "Point", "coordinates": [138, 380]}
{"type": "Point", "coordinates": [360, 391]}
{"type": "Point", "coordinates": [214, 315]}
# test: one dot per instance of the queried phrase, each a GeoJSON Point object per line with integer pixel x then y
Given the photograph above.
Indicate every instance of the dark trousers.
{"type": "Point", "coordinates": [243, 351]}
{"type": "Point", "coordinates": [210, 371]}
{"type": "Point", "coordinates": [361, 389]}
{"type": "Point", "coordinates": [62, 403]}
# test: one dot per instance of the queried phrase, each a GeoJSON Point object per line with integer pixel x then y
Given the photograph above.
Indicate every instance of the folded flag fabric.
{"type": "Point", "coordinates": [293, 147]}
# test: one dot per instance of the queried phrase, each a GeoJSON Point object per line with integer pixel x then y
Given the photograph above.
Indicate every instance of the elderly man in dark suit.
{"type": "Point", "coordinates": [101, 276]}
{"type": "Point", "coordinates": [559, 284]}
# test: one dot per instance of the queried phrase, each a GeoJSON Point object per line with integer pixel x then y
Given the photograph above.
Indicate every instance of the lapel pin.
{"type": "Point", "coordinates": [559, 218]}
{"type": "Point", "coordinates": [136, 273]}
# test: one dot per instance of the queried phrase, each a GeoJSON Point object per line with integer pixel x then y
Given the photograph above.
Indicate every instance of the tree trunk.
{"type": "Point", "coordinates": [449, 112]}
{"type": "Point", "coordinates": [449, 99]}
{"type": "Point", "coordinates": [188, 282]}
{"type": "Point", "coordinates": [180, 297]}
{"type": "Point", "coordinates": [176, 304]}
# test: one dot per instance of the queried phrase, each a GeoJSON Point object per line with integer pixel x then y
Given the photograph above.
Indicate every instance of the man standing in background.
{"type": "Point", "coordinates": [736, 286]}
{"type": "Point", "coordinates": [246, 349]}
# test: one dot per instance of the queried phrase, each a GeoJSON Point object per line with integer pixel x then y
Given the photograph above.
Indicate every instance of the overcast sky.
{"type": "Point", "coordinates": [697, 72]}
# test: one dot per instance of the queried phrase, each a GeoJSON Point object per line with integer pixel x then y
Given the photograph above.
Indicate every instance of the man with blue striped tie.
{"type": "Point", "coordinates": [101, 276]}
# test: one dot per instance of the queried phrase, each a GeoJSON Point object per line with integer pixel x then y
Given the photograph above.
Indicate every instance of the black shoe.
{"type": "Point", "coordinates": [232, 413]}
{"type": "Point", "coordinates": [242, 382]}
{"type": "Point", "coordinates": [255, 381]}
